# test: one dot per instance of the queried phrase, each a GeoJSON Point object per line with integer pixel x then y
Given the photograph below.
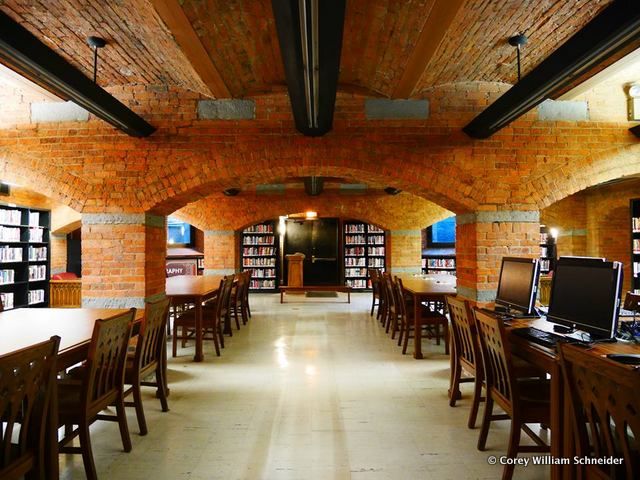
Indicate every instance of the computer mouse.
{"type": "Point", "coordinates": [626, 358]}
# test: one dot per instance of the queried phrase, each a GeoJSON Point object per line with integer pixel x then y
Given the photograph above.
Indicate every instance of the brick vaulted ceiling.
{"type": "Point", "coordinates": [240, 39]}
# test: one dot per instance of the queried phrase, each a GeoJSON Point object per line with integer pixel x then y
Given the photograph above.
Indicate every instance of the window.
{"type": "Point", "coordinates": [442, 234]}
{"type": "Point", "coordinates": [178, 232]}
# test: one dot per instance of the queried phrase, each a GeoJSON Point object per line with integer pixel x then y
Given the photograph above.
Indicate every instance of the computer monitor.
{"type": "Point", "coordinates": [518, 284]}
{"type": "Point", "coordinates": [585, 294]}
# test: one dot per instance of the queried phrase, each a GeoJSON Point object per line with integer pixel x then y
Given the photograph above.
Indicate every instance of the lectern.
{"type": "Point", "coordinates": [295, 269]}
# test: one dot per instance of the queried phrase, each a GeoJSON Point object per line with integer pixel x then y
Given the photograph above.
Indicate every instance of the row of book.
{"type": "Point", "coordinates": [354, 252]}
{"type": "Point", "coordinates": [10, 254]}
{"type": "Point", "coordinates": [544, 237]}
{"type": "Point", "coordinates": [441, 262]}
{"type": "Point", "coordinates": [374, 229]}
{"type": "Point", "coordinates": [36, 234]}
{"type": "Point", "coordinates": [7, 276]}
{"type": "Point", "coordinates": [441, 272]}
{"type": "Point", "coordinates": [258, 251]}
{"type": "Point", "coordinates": [545, 265]}
{"type": "Point", "coordinates": [635, 224]}
{"type": "Point", "coordinates": [355, 272]}
{"type": "Point", "coordinates": [543, 251]}
{"type": "Point", "coordinates": [376, 251]}
{"type": "Point", "coordinates": [36, 296]}
{"type": "Point", "coordinates": [357, 282]}
{"type": "Point", "coordinates": [9, 234]}
{"type": "Point", "coordinates": [264, 273]}
{"type": "Point", "coordinates": [262, 284]}
{"type": "Point", "coordinates": [636, 269]}
{"type": "Point", "coordinates": [357, 228]}
{"type": "Point", "coordinates": [355, 239]}
{"type": "Point", "coordinates": [34, 219]}
{"type": "Point", "coordinates": [376, 262]}
{"type": "Point", "coordinates": [10, 217]}
{"type": "Point", "coordinates": [7, 300]}
{"type": "Point", "coordinates": [355, 262]}
{"type": "Point", "coordinates": [37, 253]}
{"type": "Point", "coordinates": [259, 262]}
{"type": "Point", "coordinates": [261, 240]}
{"type": "Point", "coordinates": [37, 272]}
{"type": "Point", "coordinates": [262, 228]}
{"type": "Point", "coordinates": [636, 245]}
{"type": "Point", "coordinates": [376, 240]}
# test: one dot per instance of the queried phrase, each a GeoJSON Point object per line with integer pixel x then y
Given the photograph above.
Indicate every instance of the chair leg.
{"type": "Point", "coordinates": [87, 452]}
{"type": "Point", "coordinates": [475, 404]}
{"type": "Point", "coordinates": [486, 421]}
{"type": "Point", "coordinates": [216, 343]}
{"type": "Point", "coordinates": [373, 304]}
{"type": "Point", "coordinates": [456, 373]}
{"type": "Point", "coordinates": [174, 342]}
{"type": "Point", "coordinates": [235, 314]}
{"type": "Point", "coordinates": [512, 451]}
{"type": "Point", "coordinates": [220, 336]}
{"type": "Point", "coordinates": [137, 401]}
{"type": "Point", "coordinates": [405, 343]}
{"type": "Point", "coordinates": [122, 424]}
{"type": "Point", "coordinates": [162, 388]}
{"type": "Point", "coordinates": [245, 317]}
{"type": "Point", "coordinates": [401, 334]}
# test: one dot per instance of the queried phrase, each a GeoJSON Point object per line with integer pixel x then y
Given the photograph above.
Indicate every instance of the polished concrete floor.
{"type": "Point", "coordinates": [311, 389]}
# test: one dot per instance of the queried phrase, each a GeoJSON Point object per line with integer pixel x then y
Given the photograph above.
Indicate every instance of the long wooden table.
{"type": "Point", "coordinates": [26, 326]}
{"type": "Point", "coordinates": [547, 359]}
{"type": "Point", "coordinates": [194, 289]}
{"type": "Point", "coordinates": [432, 288]}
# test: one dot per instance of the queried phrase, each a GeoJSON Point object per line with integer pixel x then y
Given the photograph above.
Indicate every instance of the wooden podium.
{"type": "Point", "coordinates": [295, 269]}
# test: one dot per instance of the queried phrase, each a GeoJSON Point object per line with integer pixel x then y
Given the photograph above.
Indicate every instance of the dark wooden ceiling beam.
{"type": "Point", "coordinates": [613, 29]}
{"type": "Point", "coordinates": [23, 53]}
{"type": "Point", "coordinates": [330, 25]}
{"type": "Point", "coordinates": [176, 20]}
{"type": "Point", "coordinates": [433, 32]}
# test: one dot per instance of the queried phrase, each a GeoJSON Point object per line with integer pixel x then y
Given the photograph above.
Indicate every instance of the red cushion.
{"type": "Point", "coordinates": [64, 276]}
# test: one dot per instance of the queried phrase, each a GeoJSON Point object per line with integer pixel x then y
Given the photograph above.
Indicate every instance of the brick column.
{"type": "Point", "coordinates": [482, 239]}
{"type": "Point", "coordinates": [406, 251]}
{"type": "Point", "coordinates": [219, 252]}
{"type": "Point", "coordinates": [123, 259]}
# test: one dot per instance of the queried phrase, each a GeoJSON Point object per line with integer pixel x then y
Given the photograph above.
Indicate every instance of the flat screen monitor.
{"type": "Point", "coordinates": [518, 284]}
{"type": "Point", "coordinates": [585, 294]}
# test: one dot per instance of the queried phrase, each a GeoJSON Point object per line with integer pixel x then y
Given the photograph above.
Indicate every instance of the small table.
{"type": "Point", "coordinates": [27, 326]}
{"type": "Point", "coordinates": [432, 288]}
{"type": "Point", "coordinates": [194, 289]}
{"type": "Point", "coordinates": [316, 288]}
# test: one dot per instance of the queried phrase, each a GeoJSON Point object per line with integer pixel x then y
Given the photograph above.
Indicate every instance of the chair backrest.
{"type": "Point", "coordinates": [464, 332]}
{"type": "Point", "coordinates": [26, 378]}
{"type": "Point", "coordinates": [373, 276]}
{"type": "Point", "coordinates": [249, 274]}
{"type": "Point", "coordinates": [606, 410]}
{"type": "Point", "coordinates": [238, 289]}
{"type": "Point", "coordinates": [224, 296]}
{"type": "Point", "coordinates": [632, 302]}
{"type": "Point", "coordinates": [400, 304]}
{"type": "Point", "coordinates": [150, 340]}
{"type": "Point", "coordinates": [496, 357]}
{"type": "Point", "coordinates": [387, 284]}
{"type": "Point", "coordinates": [106, 360]}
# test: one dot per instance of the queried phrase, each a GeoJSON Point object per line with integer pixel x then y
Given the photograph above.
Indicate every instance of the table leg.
{"type": "Point", "coordinates": [199, 354]}
{"type": "Point", "coordinates": [164, 368]}
{"type": "Point", "coordinates": [349, 296]}
{"type": "Point", "coordinates": [417, 333]}
{"type": "Point", "coordinates": [281, 296]}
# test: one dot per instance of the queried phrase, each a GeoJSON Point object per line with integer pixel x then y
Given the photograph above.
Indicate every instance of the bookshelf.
{"type": "Point", "coordinates": [439, 261]}
{"type": "Point", "coordinates": [259, 252]}
{"type": "Point", "coordinates": [545, 253]}
{"type": "Point", "coordinates": [635, 245]}
{"type": "Point", "coordinates": [24, 257]}
{"type": "Point", "coordinates": [364, 248]}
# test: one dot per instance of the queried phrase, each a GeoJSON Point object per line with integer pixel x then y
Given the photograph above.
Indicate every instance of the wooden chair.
{"type": "Point", "coordinates": [466, 355]}
{"type": "Point", "coordinates": [374, 275]}
{"type": "Point", "coordinates": [149, 357]}
{"type": "Point", "coordinates": [434, 324]}
{"type": "Point", "coordinates": [237, 305]}
{"type": "Point", "coordinates": [606, 412]}
{"type": "Point", "coordinates": [246, 292]}
{"type": "Point", "coordinates": [632, 302]}
{"type": "Point", "coordinates": [100, 384]}
{"type": "Point", "coordinates": [391, 320]}
{"type": "Point", "coordinates": [26, 381]}
{"type": "Point", "coordinates": [214, 314]}
{"type": "Point", "coordinates": [523, 400]}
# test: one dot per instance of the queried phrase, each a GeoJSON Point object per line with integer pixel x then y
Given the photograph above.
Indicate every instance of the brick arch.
{"type": "Point", "coordinates": [397, 212]}
{"type": "Point", "coordinates": [565, 180]}
{"type": "Point", "coordinates": [191, 178]}
{"type": "Point", "coordinates": [40, 176]}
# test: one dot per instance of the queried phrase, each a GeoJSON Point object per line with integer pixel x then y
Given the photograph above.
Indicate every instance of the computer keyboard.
{"type": "Point", "coordinates": [535, 335]}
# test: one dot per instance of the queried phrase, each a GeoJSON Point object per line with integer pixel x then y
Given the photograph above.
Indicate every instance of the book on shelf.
{"type": "Point", "coordinates": [258, 251]}
{"type": "Point", "coordinates": [355, 240]}
{"type": "Point", "coordinates": [37, 272]}
{"type": "Point", "coordinates": [376, 262]}
{"type": "Point", "coordinates": [262, 284]}
{"type": "Point", "coordinates": [354, 228]}
{"type": "Point", "coordinates": [37, 253]}
{"type": "Point", "coordinates": [34, 219]}
{"type": "Point", "coordinates": [261, 228]}
{"type": "Point", "coordinates": [10, 217]}
{"type": "Point", "coordinates": [7, 300]}
{"type": "Point", "coordinates": [441, 263]}
{"type": "Point", "coordinates": [10, 254]}
{"type": "Point", "coordinates": [376, 251]}
{"type": "Point", "coordinates": [636, 269]}
{"type": "Point", "coordinates": [635, 221]}
{"type": "Point", "coordinates": [355, 262]}
{"type": "Point", "coordinates": [636, 245]}
{"type": "Point", "coordinates": [354, 251]}
{"type": "Point", "coordinates": [441, 272]}
{"type": "Point", "coordinates": [9, 234]}
{"type": "Point", "coordinates": [545, 264]}
{"type": "Point", "coordinates": [7, 277]}
{"type": "Point", "coordinates": [36, 296]}
{"type": "Point", "coordinates": [258, 240]}
{"type": "Point", "coordinates": [543, 251]}
{"type": "Point", "coordinates": [36, 235]}
{"type": "Point", "coordinates": [259, 262]}
{"type": "Point", "coordinates": [355, 272]}
{"type": "Point", "coordinates": [544, 236]}
{"type": "Point", "coordinates": [357, 283]}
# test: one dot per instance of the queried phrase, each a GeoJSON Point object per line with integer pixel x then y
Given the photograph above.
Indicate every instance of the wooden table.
{"type": "Point", "coordinates": [547, 359]}
{"type": "Point", "coordinates": [26, 326]}
{"type": "Point", "coordinates": [194, 289]}
{"type": "Point", "coordinates": [431, 288]}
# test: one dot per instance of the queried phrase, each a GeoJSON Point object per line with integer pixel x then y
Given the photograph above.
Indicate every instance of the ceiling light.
{"type": "Point", "coordinates": [96, 43]}
{"type": "Point", "coordinates": [518, 41]}
{"type": "Point", "coordinates": [311, 215]}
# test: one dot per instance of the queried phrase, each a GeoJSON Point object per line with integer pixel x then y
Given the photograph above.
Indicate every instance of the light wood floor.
{"type": "Point", "coordinates": [307, 390]}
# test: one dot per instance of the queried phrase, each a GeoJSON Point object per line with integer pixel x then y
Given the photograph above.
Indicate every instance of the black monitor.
{"type": "Point", "coordinates": [585, 294]}
{"type": "Point", "coordinates": [518, 284]}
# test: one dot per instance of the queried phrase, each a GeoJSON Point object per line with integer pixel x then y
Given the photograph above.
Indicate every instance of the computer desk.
{"type": "Point", "coordinates": [547, 359]}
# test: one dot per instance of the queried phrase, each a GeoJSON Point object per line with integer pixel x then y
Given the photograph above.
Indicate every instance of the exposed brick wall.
{"type": "Point", "coordinates": [405, 251]}
{"type": "Point", "coordinates": [220, 251]}
{"type": "Point", "coordinates": [58, 253]}
{"type": "Point", "coordinates": [569, 216]}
